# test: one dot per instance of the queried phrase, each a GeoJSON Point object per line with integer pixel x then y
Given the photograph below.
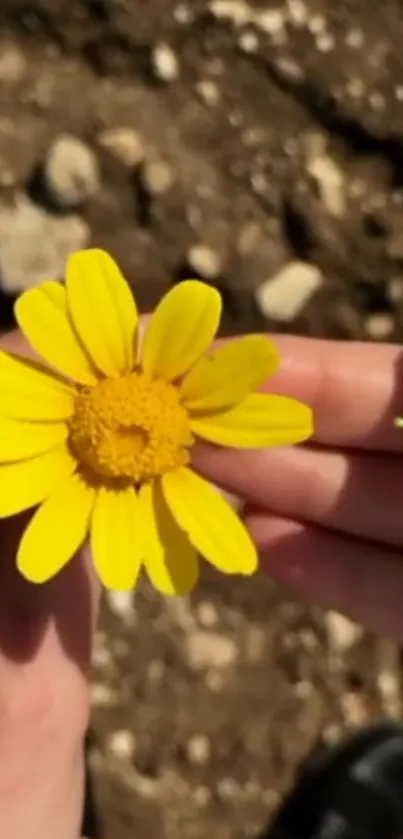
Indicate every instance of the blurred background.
{"type": "Point", "coordinates": [257, 145]}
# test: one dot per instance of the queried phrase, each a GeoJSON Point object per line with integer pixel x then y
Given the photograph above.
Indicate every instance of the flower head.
{"type": "Point", "coordinates": [100, 437]}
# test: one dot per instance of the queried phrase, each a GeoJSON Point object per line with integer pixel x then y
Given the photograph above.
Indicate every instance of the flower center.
{"type": "Point", "coordinates": [133, 428]}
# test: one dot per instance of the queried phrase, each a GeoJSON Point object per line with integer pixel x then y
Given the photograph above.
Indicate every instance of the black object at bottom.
{"type": "Point", "coordinates": [353, 791]}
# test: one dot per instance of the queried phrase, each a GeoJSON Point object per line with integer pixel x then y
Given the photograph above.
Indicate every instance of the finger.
{"type": "Point", "coordinates": [354, 389]}
{"type": "Point", "coordinates": [45, 644]}
{"type": "Point", "coordinates": [357, 493]}
{"type": "Point", "coordinates": [355, 577]}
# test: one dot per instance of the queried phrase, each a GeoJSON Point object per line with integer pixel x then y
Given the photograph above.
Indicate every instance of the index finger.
{"type": "Point", "coordinates": [354, 389]}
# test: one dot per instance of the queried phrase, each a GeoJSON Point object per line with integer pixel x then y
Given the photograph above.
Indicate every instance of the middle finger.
{"type": "Point", "coordinates": [353, 492]}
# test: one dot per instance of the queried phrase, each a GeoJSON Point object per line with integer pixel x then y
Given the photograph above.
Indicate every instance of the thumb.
{"type": "Point", "coordinates": [45, 653]}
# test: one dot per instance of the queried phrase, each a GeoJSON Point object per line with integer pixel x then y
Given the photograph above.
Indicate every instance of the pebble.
{"type": "Point", "coordinates": [34, 245]}
{"type": "Point", "coordinates": [379, 326]}
{"type": "Point", "coordinates": [121, 604]}
{"type": "Point", "coordinates": [248, 42]}
{"type": "Point", "coordinates": [122, 744]}
{"type": "Point", "coordinates": [210, 650]}
{"type": "Point", "coordinates": [209, 93]}
{"type": "Point", "coordinates": [285, 295]}
{"type": "Point", "coordinates": [13, 64]}
{"type": "Point", "coordinates": [102, 696]}
{"type": "Point", "coordinates": [228, 788]}
{"type": "Point", "coordinates": [201, 796]}
{"type": "Point", "coordinates": [354, 708]}
{"type": "Point", "coordinates": [395, 290]}
{"type": "Point", "coordinates": [270, 21]}
{"type": "Point", "coordinates": [297, 12]}
{"type": "Point", "coordinates": [157, 177]}
{"type": "Point", "coordinates": [183, 14]}
{"type": "Point", "coordinates": [198, 749]}
{"type": "Point", "coordinates": [330, 181]}
{"type": "Point", "coordinates": [342, 633]}
{"type": "Point", "coordinates": [165, 63]}
{"type": "Point", "coordinates": [71, 173]}
{"type": "Point", "coordinates": [237, 11]}
{"type": "Point", "coordinates": [207, 614]}
{"type": "Point", "coordinates": [204, 261]}
{"type": "Point", "coordinates": [125, 144]}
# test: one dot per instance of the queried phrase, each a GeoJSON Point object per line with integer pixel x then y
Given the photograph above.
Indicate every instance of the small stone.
{"type": "Point", "coordinates": [308, 640]}
{"type": "Point", "coordinates": [201, 796]}
{"type": "Point", "coordinates": [237, 11]}
{"type": "Point", "coordinates": [288, 69]}
{"type": "Point", "coordinates": [394, 246]}
{"type": "Point", "coordinates": [325, 42]}
{"type": "Point", "coordinates": [270, 21]}
{"type": "Point", "coordinates": [13, 64]}
{"type": "Point", "coordinates": [297, 12]}
{"type": "Point", "coordinates": [228, 789]}
{"type": "Point", "coordinates": [122, 744]}
{"type": "Point", "coordinates": [34, 245]}
{"type": "Point", "coordinates": [379, 326]}
{"type": "Point", "coordinates": [183, 14]}
{"type": "Point", "coordinates": [157, 177]}
{"type": "Point", "coordinates": [209, 93]}
{"type": "Point", "coordinates": [248, 42]}
{"type": "Point", "coordinates": [204, 261]}
{"type": "Point", "coordinates": [198, 750]}
{"type": "Point", "coordinates": [102, 696]}
{"type": "Point", "coordinates": [101, 656]}
{"type": "Point", "coordinates": [121, 604]}
{"type": "Point", "coordinates": [303, 690]}
{"type": "Point", "coordinates": [207, 614]}
{"type": "Point", "coordinates": [317, 25]}
{"type": "Point", "coordinates": [354, 707]}
{"type": "Point", "coordinates": [210, 650]}
{"type": "Point", "coordinates": [165, 63]}
{"type": "Point", "coordinates": [125, 144]}
{"type": "Point", "coordinates": [330, 181]}
{"type": "Point", "coordinates": [355, 38]}
{"type": "Point", "coordinates": [395, 290]}
{"type": "Point", "coordinates": [284, 296]}
{"type": "Point", "coordinates": [332, 734]}
{"type": "Point", "coordinates": [342, 633]}
{"type": "Point", "coordinates": [249, 238]}
{"type": "Point", "coordinates": [71, 173]}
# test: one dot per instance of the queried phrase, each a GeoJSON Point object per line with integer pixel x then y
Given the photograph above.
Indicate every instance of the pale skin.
{"type": "Point", "coordinates": [327, 519]}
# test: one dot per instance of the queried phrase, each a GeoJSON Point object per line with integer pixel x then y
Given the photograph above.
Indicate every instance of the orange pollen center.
{"type": "Point", "coordinates": [133, 428]}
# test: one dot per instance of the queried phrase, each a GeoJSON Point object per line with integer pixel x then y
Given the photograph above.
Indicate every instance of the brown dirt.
{"type": "Point", "coordinates": [239, 151]}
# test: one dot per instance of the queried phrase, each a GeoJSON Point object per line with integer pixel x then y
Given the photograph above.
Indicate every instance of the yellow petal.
{"type": "Point", "coordinates": [28, 391]}
{"type": "Point", "coordinates": [260, 420]}
{"type": "Point", "coordinates": [42, 317]}
{"type": "Point", "coordinates": [117, 538]}
{"type": "Point", "coordinates": [170, 560]}
{"type": "Point", "coordinates": [22, 440]}
{"type": "Point", "coordinates": [211, 524]}
{"type": "Point", "coordinates": [56, 531]}
{"type": "Point", "coordinates": [22, 485]}
{"type": "Point", "coordinates": [103, 310]}
{"type": "Point", "coordinates": [181, 329]}
{"type": "Point", "coordinates": [227, 375]}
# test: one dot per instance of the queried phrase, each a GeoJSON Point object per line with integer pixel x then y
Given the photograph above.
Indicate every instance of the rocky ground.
{"type": "Point", "coordinates": [257, 145]}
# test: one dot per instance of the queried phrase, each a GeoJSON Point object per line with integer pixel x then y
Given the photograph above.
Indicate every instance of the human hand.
{"type": "Point", "coordinates": [328, 516]}
{"type": "Point", "coordinates": [45, 652]}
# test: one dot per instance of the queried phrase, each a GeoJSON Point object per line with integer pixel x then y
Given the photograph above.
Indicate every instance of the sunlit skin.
{"type": "Point", "coordinates": [44, 698]}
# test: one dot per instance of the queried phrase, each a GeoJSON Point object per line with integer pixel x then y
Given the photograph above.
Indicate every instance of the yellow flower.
{"type": "Point", "coordinates": [102, 442]}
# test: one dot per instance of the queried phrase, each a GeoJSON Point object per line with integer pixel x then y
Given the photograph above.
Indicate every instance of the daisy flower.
{"type": "Point", "coordinates": [100, 436]}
